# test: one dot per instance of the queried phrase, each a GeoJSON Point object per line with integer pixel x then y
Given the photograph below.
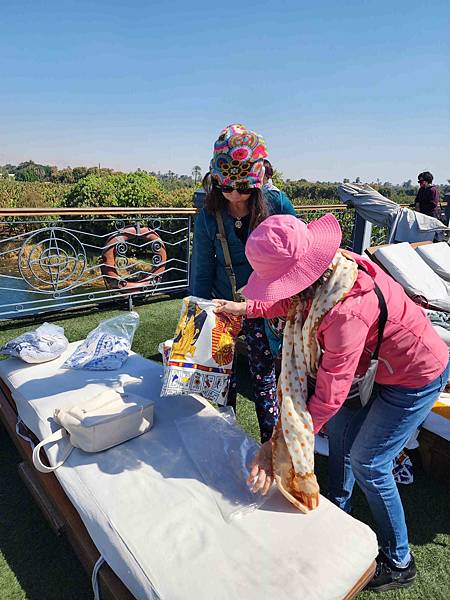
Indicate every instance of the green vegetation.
{"type": "Point", "coordinates": [32, 185]}
{"type": "Point", "coordinates": [118, 189]}
{"type": "Point", "coordinates": [121, 189]}
{"type": "Point", "coordinates": [34, 562]}
{"type": "Point", "coordinates": [25, 194]}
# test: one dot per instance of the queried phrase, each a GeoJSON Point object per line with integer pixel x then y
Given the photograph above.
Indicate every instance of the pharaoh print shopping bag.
{"type": "Point", "coordinates": [202, 352]}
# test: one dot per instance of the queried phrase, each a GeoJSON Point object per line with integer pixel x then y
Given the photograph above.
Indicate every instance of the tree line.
{"type": "Point", "coordinates": [35, 172]}
{"type": "Point", "coordinates": [33, 185]}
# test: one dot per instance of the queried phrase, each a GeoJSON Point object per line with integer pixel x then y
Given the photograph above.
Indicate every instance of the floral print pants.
{"type": "Point", "coordinates": [262, 371]}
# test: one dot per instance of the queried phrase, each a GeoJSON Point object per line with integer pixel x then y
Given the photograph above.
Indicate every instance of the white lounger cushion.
{"type": "Point", "coordinates": [157, 524]}
{"type": "Point", "coordinates": [413, 274]}
{"type": "Point", "coordinates": [437, 256]}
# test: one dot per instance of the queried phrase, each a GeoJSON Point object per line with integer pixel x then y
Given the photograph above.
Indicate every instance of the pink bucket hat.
{"type": "Point", "coordinates": [287, 255]}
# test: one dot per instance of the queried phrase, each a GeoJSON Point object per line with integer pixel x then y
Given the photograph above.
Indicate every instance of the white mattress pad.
{"type": "Point", "coordinates": [437, 256]}
{"type": "Point", "coordinates": [414, 274]}
{"type": "Point", "coordinates": [158, 525]}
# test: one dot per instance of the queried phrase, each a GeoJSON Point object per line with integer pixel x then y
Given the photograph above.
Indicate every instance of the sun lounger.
{"type": "Point", "coordinates": [437, 256]}
{"type": "Point", "coordinates": [417, 278]}
{"type": "Point", "coordinates": [423, 270]}
{"type": "Point", "coordinates": [154, 521]}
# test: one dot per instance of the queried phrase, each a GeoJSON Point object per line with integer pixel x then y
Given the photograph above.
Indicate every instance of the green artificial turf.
{"type": "Point", "coordinates": [35, 564]}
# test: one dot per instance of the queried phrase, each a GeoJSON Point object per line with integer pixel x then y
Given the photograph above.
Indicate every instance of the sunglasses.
{"type": "Point", "coordinates": [228, 189]}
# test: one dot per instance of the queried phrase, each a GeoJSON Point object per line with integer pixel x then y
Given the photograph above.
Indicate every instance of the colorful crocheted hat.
{"type": "Point", "coordinates": [238, 158]}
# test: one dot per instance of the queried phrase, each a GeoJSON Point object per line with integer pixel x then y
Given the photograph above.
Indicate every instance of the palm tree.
{"type": "Point", "coordinates": [196, 174]}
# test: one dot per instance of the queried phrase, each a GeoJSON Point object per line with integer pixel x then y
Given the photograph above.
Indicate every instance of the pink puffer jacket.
{"type": "Point", "coordinates": [411, 354]}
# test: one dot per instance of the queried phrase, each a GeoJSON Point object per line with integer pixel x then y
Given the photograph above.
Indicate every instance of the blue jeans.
{"type": "Point", "coordinates": [363, 445]}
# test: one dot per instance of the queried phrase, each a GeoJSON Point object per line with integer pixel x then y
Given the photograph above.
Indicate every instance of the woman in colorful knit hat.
{"type": "Point", "coordinates": [343, 313]}
{"type": "Point", "coordinates": [234, 196]}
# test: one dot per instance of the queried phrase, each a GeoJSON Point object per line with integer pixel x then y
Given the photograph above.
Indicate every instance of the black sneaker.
{"type": "Point", "coordinates": [388, 576]}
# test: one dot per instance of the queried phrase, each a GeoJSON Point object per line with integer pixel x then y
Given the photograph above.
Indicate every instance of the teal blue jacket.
{"type": "Point", "coordinates": [209, 277]}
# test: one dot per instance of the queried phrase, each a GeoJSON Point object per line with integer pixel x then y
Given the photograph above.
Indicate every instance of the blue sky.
{"type": "Point", "coordinates": [338, 89]}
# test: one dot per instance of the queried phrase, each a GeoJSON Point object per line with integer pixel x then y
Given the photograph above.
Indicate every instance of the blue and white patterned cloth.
{"type": "Point", "coordinates": [107, 347]}
{"type": "Point", "coordinates": [45, 343]}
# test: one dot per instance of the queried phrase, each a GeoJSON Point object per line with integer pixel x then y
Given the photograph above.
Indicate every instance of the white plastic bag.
{"type": "Point", "coordinates": [223, 453]}
{"type": "Point", "coordinates": [107, 346]}
{"type": "Point", "coordinates": [45, 343]}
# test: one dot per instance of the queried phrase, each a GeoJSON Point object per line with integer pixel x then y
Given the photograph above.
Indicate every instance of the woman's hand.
{"type": "Point", "coordinates": [238, 309]}
{"type": "Point", "coordinates": [261, 474]}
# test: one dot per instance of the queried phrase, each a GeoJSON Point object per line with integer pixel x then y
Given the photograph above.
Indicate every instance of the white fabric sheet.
{"type": "Point", "coordinates": [369, 203]}
{"type": "Point", "coordinates": [405, 225]}
{"type": "Point", "coordinates": [413, 226]}
{"type": "Point", "coordinates": [158, 525]}
{"type": "Point", "coordinates": [413, 274]}
{"type": "Point", "coordinates": [437, 256]}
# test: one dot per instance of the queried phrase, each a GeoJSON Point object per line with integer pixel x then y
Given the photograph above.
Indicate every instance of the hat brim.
{"type": "Point", "coordinates": [325, 238]}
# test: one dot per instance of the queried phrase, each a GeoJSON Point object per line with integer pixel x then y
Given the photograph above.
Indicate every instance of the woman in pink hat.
{"type": "Point", "coordinates": [234, 206]}
{"type": "Point", "coordinates": [349, 324]}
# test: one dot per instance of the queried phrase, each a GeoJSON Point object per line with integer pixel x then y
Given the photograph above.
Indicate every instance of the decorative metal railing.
{"type": "Point", "coordinates": [67, 258]}
{"type": "Point", "coordinates": [53, 259]}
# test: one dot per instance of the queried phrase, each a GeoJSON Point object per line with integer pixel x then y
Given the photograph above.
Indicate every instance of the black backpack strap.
{"type": "Point", "coordinates": [383, 314]}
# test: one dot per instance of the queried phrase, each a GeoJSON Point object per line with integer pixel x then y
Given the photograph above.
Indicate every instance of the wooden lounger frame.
{"type": "Point", "coordinates": [64, 519]}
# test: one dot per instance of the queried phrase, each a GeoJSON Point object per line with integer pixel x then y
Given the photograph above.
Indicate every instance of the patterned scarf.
{"type": "Point", "coordinates": [293, 439]}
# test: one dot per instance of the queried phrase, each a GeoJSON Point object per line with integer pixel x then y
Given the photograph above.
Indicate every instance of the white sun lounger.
{"type": "Point", "coordinates": [158, 526]}
{"type": "Point", "coordinates": [437, 256]}
{"type": "Point", "coordinates": [405, 265]}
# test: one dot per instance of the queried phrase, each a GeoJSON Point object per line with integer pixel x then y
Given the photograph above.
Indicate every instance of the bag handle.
{"type": "Point", "coordinates": [54, 437]}
{"type": "Point", "coordinates": [226, 252]}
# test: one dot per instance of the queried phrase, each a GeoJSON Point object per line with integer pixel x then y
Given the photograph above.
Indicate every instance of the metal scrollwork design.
{"type": "Point", "coordinates": [52, 260]}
